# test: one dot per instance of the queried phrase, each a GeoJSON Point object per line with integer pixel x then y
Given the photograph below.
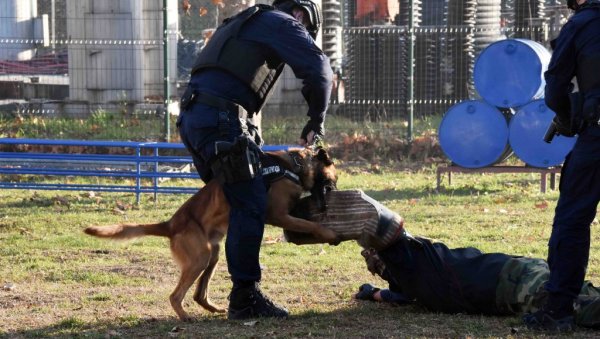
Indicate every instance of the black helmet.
{"type": "Point", "coordinates": [313, 11]}
{"type": "Point", "coordinates": [572, 4]}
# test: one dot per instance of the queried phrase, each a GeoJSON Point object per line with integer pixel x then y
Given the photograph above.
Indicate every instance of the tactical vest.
{"type": "Point", "coordinates": [246, 60]}
{"type": "Point", "coordinates": [588, 67]}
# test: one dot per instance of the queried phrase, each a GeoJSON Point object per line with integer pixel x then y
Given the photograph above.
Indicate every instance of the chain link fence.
{"type": "Point", "coordinates": [112, 69]}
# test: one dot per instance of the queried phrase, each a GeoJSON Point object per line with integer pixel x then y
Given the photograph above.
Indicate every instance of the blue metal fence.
{"type": "Point", "coordinates": [141, 161]}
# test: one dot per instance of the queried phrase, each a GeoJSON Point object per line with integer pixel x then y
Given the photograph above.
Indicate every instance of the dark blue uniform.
{"type": "Point", "coordinates": [465, 280]}
{"type": "Point", "coordinates": [462, 280]}
{"type": "Point", "coordinates": [281, 38]}
{"type": "Point", "coordinates": [576, 54]}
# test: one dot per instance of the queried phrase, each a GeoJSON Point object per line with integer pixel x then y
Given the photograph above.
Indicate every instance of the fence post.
{"type": "Point", "coordinates": [411, 70]}
{"type": "Point", "coordinates": [138, 171]}
{"type": "Point", "coordinates": [155, 179]}
{"type": "Point", "coordinates": [167, 89]}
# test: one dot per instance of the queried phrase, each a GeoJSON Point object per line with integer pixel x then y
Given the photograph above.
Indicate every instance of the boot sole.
{"type": "Point", "coordinates": [246, 313]}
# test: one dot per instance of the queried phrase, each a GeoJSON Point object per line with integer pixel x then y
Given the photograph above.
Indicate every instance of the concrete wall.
{"type": "Point", "coordinates": [116, 49]}
{"type": "Point", "coordinates": [17, 25]}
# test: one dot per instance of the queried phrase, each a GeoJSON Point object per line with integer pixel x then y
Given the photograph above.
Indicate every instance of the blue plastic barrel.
{"type": "Point", "coordinates": [510, 73]}
{"type": "Point", "coordinates": [474, 134]}
{"type": "Point", "coordinates": [526, 133]}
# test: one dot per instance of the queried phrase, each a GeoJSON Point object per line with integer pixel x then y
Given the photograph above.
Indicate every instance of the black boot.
{"type": "Point", "coordinates": [550, 321]}
{"type": "Point", "coordinates": [249, 302]}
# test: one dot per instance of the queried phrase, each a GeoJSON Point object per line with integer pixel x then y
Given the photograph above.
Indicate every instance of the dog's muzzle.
{"type": "Point", "coordinates": [353, 215]}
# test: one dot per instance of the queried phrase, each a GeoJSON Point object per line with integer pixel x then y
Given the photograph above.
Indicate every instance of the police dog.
{"type": "Point", "coordinates": [197, 227]}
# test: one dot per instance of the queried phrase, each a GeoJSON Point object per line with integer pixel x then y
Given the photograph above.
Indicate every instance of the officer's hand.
{"type": "Point", "coordinates": [311, 132]}
{"type": "Point", "coordinates": [562, 127]}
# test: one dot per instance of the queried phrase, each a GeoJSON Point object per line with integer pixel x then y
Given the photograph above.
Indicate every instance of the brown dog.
{"type": "Point", "coordinates": [198, 226]}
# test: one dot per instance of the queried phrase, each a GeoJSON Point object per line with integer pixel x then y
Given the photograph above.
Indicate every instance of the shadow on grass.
{"type": "Point", "coordinates": [352, 320]}
{"type": "Point", "coordinates": [361, 320]}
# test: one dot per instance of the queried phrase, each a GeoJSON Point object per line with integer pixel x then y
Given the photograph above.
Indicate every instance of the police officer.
{"type": "Point", "coordinates": [230, 82]}
{"type": "Point", "coordinates": [576, 54]}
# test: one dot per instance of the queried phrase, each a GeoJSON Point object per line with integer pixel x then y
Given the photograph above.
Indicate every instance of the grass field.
{"type": "Point", "coordinates": [58, 282]}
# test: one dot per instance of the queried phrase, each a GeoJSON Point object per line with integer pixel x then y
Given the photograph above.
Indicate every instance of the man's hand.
{"type": "Point", "coordinates": [374, 263]}
{"type": "Point", "coordinates": [311, 132]}
{"type": "Point", "coordinates": [366, 292]}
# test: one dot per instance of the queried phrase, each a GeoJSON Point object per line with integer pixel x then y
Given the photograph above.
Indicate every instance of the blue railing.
{"type": "Point", "coordinates": [142, 160]}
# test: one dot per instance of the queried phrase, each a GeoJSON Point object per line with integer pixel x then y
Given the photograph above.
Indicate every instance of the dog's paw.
{"type": "Point", "coordinates": [330, 236]}
{"type": "Point", "coordinates": [207, 305]}
{"type": "Point", "coordinates": [216, 309]}
{"type": "Point", "coordinates": [335, 241]}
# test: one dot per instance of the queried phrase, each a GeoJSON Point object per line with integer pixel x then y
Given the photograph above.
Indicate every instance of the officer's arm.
{"type": "Point", "coordinates": [297, 49]}
{"type": "Point", "coordinates": [561, 72]}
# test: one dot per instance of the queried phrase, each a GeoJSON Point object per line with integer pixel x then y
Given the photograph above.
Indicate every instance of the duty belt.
{"type": "Point", "coordinates": [220, 103]}
{"type": "Point", "coordinates": [227, 109]}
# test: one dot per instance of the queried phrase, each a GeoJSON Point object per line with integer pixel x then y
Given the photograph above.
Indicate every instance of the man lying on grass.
{"type": "Point", "coordinates": [465, 280]}
{"type": "Point", "coordinates": [461, 280]}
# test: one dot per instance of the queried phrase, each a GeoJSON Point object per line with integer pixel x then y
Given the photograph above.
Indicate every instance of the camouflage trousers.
{"type": "Point", "coordinates": [521, 289]}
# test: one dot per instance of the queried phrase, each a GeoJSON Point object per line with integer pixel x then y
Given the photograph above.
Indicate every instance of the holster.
{"type": "Point", "coordinates": [237, 161]}
{"type": "Point", "coordinates": [187, 98]}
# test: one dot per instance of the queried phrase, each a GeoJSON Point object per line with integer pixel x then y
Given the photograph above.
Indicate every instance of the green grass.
{"type": "Point", "coordinates": [67, 284]}
{"type": "Point", "coordinates": [104, 125]}
{"type": "Point", "coordinates": [99, 125]}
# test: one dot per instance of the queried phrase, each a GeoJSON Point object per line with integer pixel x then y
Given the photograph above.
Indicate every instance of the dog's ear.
{"type": "Point", "coordinates": [324, 157]}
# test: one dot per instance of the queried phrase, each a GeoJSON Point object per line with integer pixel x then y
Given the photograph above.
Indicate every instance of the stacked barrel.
{"type": "Point", "coordinates": [511, 116]}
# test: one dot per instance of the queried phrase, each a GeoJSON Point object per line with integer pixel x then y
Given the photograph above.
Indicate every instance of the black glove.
{"type": "Point", "coordinates": [366, 292]}
{"type": "Point", "coordinates": [563, 127]}
{"type": "Point", "coordinates": [313, 126]}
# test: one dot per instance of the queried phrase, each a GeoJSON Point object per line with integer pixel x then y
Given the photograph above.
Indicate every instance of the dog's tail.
{"type": "Point", "coordinates": [129, 231]}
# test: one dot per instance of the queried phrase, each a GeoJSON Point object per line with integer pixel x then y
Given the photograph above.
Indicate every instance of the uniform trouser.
{"type": "Point", "coordinates": [247, 199]}
{"type": "Point", "coordinates": [568, 248]}
{"type": "Point", "coordinates": [521, 289]}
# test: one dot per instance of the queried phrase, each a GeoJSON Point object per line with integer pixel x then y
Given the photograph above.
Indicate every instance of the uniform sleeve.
{"type": "Point", "coordinates": [391, 296]}
{"type": "Point", "coordinates": [561, 71]}
{"type": "Point", "coordinates": [297, 49]}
